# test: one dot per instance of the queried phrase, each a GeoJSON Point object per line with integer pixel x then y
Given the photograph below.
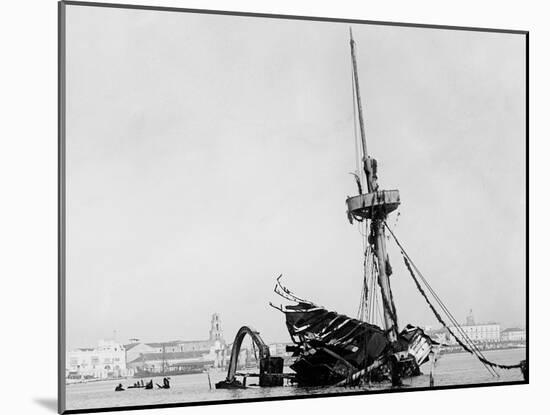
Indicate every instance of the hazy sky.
{"type": "Point", "coordinates": [206, 155]}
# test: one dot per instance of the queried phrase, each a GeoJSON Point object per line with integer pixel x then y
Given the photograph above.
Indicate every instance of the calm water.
{"type": "Point", "coordinates": [451, 369]}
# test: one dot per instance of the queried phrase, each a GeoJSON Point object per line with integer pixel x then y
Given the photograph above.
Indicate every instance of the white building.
{"type": "Point", "coordinates": [178, 353]}
{"type": "Point", "coordinates": [107, 360]}
{"type": "Point", "coordinates": [135, 350]}
{"type": "Point", "coordinates": [513, 335]}
{"type": "Point", "coordinates": [480, 333]}
{"type": "Point", "coordinates": [156, 362]}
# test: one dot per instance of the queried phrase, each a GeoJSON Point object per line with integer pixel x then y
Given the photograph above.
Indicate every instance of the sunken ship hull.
{"type": "Point", "coordinates": [332, 348]}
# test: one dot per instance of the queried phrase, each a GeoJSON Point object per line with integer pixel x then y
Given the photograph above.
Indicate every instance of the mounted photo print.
{"type": "Point", "coordinates": [258, 207]}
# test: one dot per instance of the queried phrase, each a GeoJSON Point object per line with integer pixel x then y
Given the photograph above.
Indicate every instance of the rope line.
{"type": "Point", "coordinates": [474, 350]}
{"type": "Point", "coordinates": [447, 312]}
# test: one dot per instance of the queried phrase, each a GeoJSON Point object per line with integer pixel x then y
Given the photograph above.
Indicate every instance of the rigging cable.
{"type": "Point", "coordinates": [473, 350]}
{"type": "Point", "coordinates": [362, 312]}
{"type": "Point", "coordinates": [372, 303]}
{"type": "Point", "coordinates": [472, 346]}
{"type": "Point", "coordinates": [447, 312]}
{"type": "Point", "coordinates": [436, 297]}
{"type": "Point", "coordinates": [375, 310]}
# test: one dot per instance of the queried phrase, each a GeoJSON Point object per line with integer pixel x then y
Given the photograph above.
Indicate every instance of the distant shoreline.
{"type": "Point", "coordinates": [80, 381]}
{"type": "Point", "coordinates": [458, 349]}
{"type": "Point", "coordinates": [453, 350]}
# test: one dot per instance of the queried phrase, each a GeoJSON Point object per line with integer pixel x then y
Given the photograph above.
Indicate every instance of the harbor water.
{"type": "Point", "coordinates": [451, 369]}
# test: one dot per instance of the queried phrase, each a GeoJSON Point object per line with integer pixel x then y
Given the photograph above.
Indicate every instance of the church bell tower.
{"type": "Point", "coordinates": [215, 328]}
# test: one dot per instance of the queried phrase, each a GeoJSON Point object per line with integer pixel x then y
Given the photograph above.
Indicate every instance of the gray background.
{"type": "Point", "coordinates": [208, 154]}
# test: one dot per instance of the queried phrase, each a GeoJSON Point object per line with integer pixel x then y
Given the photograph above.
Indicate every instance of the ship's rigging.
{"type": "Point", "coordinates": [324, 338]}
{"type": "Point", "coordinates": [371, 292]}
{"type": "Point", "coordinates": [334, 349]}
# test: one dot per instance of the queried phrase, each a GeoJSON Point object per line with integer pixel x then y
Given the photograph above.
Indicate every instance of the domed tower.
{"type": "Point", "coordinates": [216, 328]}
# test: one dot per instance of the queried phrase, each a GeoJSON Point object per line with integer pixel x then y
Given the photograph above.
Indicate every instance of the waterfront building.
{"type": "Point", "coordinates": [107, 360]}
{"type": "Point", "coordinates": [513, 335]}
{"type": "Point", "coordinates": [479, 333]}
{"type": "Point", "coordinates": [178, 354]}
{"type": "Point", "coordinates": [135, 350]}
{"type": "Point", "coordinates": [167, 347]}
{"type": "Point", "coordinates": [170, 362]}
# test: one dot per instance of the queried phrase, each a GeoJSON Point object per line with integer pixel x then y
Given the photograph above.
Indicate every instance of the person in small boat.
{"type": "Point", "coordinates": [149, 384]}
{"type": "Point", "coordinates": [142, 384]}
{"type": "Point", "coordinates": [165, 384]}
{"type": "Point", "coordinates": [119, 388]}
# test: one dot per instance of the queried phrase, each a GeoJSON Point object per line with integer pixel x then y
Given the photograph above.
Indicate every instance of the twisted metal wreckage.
{"type": "Point", "coordinates": [334, 349]}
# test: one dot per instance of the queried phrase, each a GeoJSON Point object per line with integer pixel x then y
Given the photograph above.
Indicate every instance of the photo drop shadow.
{"type": "Point", "coordinates": [48, 403]}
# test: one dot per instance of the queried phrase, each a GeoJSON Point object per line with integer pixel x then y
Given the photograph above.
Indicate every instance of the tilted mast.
{"type": "Point", "coordinates": [374, 205]}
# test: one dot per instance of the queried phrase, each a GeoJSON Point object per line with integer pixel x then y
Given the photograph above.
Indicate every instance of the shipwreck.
{"type": "Point", "coordinates": [334, 349]}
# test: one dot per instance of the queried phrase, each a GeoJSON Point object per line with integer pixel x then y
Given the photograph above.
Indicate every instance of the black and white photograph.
{"type": "Point", "coordinates": [258, 207]}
